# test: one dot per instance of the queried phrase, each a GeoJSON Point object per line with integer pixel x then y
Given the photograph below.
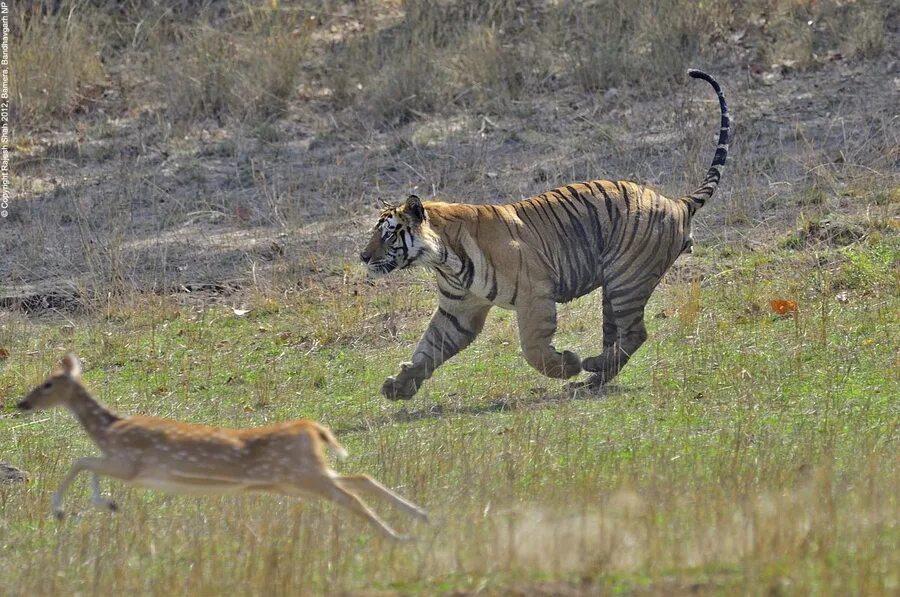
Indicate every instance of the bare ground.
{"type": "Point", "coordinates": [119, 201]}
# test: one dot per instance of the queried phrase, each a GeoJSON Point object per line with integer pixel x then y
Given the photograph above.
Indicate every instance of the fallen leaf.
{"type": "Point", "coordinates": [783, 307]}
{"type": "Point", "coordinates": [4, 354]}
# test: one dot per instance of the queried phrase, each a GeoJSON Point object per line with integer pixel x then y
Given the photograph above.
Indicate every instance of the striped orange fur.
{"type": "Point", "coordinates": [532, 254]}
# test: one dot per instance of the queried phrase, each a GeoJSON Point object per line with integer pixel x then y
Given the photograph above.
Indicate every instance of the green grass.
{"type": "Point", "coordinates": [739, 451]}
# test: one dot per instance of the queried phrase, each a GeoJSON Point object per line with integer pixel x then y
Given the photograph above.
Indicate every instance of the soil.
{"type": "Point", "coordinates": [119, 203]}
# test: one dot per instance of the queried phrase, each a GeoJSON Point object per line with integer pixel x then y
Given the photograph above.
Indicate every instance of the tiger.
{"type": "Point", "coordinates": [529, 255]}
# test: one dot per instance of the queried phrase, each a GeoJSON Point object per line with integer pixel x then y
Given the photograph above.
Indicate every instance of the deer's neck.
{"type": "Point", "coordinates": [93, 416]}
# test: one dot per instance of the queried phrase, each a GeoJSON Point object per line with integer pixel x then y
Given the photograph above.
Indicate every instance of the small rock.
{"type": "Point", "coordinates": [10, 474]}
{"type": "Point", "coordinates": [770, 78]}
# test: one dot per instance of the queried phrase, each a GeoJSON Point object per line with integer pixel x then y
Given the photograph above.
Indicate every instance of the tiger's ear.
{"type": "Point", "coordinates": [415, 208]}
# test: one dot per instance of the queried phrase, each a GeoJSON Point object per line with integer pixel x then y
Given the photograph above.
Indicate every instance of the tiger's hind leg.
{"type": "Point", "coordinates": [610, 330]}
{"type": "Point", "coordinates": [624, 332]}
{"type": "Point", "coordinates": [537, 324]}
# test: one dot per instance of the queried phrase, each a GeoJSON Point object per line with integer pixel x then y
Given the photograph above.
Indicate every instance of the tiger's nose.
{"type": "Point", "coordinates": [365, 257]}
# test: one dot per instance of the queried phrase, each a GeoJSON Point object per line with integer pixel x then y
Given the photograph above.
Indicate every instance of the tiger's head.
{"type": "Point", "coordinates": [401, 238]}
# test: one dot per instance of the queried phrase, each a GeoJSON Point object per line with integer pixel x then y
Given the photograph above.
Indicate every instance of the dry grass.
{"type": "Point", "coordinates": [739, 452]}
{"type": "Point", "coordinates": [173, 161]}
{"type": "Point", "coordinates": [261, 118]}
{"type": "Point", "coordinates": [58, 70]}
{"type": "Point", "coordinates": [245, 75]}
{"type": "Point", "coordinates": [260, 131]}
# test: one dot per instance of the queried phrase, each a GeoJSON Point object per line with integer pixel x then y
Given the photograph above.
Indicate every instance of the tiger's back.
{"type": "Point", "coordinates": [579, 231]}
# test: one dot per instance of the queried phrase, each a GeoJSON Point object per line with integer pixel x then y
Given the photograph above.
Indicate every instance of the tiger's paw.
{"type": "Point", "coordinates": [399, 389]}
{"type": "Point", "coordinates": [597, 381]}
{"type": "Point", "coordinates": [592, 364]}
{"type": "Point", "coordinates": [572, 364]}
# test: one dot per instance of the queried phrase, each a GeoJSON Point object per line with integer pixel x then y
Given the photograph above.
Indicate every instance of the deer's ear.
{"type": "Point", "coordinates": [415, 208]}
{"type": "Point", "coordinates": [71, 365]}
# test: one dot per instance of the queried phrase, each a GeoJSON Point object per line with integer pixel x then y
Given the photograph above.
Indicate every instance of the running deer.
{"type": "Point", "coordinates": [286, 458]}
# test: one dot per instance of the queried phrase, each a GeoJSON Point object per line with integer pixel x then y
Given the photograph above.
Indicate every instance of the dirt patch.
{"type": "Point", "coordinates": [120, 198]}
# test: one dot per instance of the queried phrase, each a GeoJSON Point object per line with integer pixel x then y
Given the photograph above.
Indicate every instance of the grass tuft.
{"type": "Point", "coordinates": [58, 71]}
{"type": "Point", "coordinates": [739, 449]}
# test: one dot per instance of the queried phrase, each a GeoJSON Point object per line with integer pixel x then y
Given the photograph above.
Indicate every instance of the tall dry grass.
{"type": "Point", "coordinates": [57, 70]}
{"type": "Point", "coordinates": [487, 55]}
{"type": "Point", "coordinates": [247, 59]}
{"type": "Point", "coordinates": [248, 72]}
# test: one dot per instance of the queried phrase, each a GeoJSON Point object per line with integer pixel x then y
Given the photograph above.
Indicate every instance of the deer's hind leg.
{"type": "Point", "coordinates": [325, 486]}
{"type": "Point", "coordinates": [366, 484]}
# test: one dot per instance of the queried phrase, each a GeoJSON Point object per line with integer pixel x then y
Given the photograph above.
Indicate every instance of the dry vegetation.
{"type": "Point", "coordinates": [173, 160]}
{"type": "Point", "coordinates": [254, 131]}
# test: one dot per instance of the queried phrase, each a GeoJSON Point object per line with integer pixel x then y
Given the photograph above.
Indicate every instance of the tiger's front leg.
{"type": "Point", "coordinates": [453, 327]}
{"type": "Point", "coordinates": [537, 324]}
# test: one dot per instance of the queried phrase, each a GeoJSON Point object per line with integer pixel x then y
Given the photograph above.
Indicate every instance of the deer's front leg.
{"type": "Point", "coordinates": [453, 327]}
{"type": "Point", "coordinates": [98, 466]}
{"type": "Point", "coordinates": [97, 499]}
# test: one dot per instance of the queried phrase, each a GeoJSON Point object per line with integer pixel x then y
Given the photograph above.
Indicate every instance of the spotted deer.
{"type": "Point", "coordinates": [285, 458]}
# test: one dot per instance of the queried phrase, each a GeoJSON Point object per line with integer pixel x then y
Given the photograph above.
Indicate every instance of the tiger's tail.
{"type": "Point", "coordinates": [696, 199]}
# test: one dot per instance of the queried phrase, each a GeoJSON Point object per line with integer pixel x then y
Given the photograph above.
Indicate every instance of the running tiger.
{"type": "Point", "coordinates": [534, 253]}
